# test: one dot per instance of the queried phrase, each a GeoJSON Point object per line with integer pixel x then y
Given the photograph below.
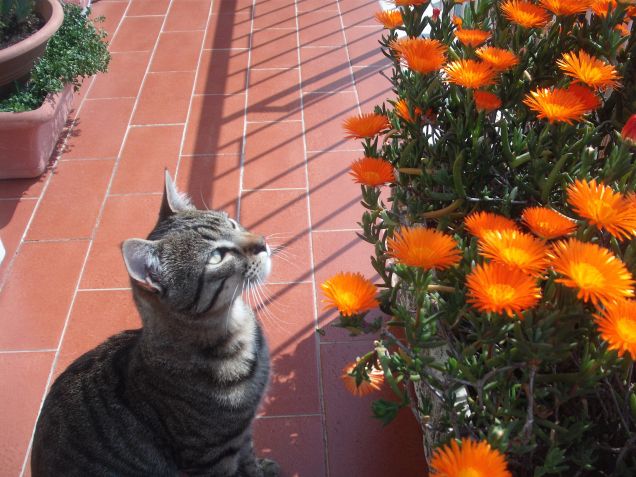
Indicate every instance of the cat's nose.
{"type": "Point", "coordinates": [253, 244]}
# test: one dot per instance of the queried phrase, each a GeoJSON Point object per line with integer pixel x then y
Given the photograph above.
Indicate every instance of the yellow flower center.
{"type": "Point", "coordinates": [347, 300]}
{"type": "Point", "coordinates": [600, 209]}
{"type": "Point", "coordinates": [371, 176]}
{"type": "Point", "coordinates": [499, 293]}
{"type": "Point", "coordinates": [587, 276]}
{"type": "Point", "coordinates": [626, 329]}
{"type": "Point", "coordinates": [469, 472]}
{"type": "Point", "coordinates": [515, 255]}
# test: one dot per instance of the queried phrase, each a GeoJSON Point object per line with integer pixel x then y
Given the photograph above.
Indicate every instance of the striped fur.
{"type": "Point", "coordinates": [178, 396]}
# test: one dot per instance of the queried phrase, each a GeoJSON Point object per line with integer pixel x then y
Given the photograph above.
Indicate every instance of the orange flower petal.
{"type": "Point", "coordinates": [390, 19]}
{"type": "Point", "coordinates": [480, 223]}
{"type": "Point", "coordinates": [590, 100]}
{"type": "Point", "coordinates": [617, 325]}
{"type": "Point", "coordinates": [498, 58]}
{"type": "Point", "coordinates": [349, 293]}
{"type": "Point", "coordinates": [374, 383]}
{"type": "Point", "coordinates": [601, 7]}
{"type": "Point", "coordinates": [598, 275]}
{"type": "Point", "coordinates": [402, 110]}
{"type": "Point", "coordinates": [372, 171]}
{"type": "Point", "coordinates": [497, 288]}
{"type": "Point", "coordinates": [566, 7]}
{"type": "Point", "coordinates": [470, 73]}
{"type": "Point", "coordinates": [472, 459]}
{"type": "Point", "coordinates": [547, 223]}
{"type": "Point", "coordinates": [526, 14]}
{"type": "Point", "coordinates": [420, 54]}
{"type": "Point", "coordinates": [556, 105]}
{"type": "Point", "coordinates": [589, 70]}
{"type": "Point", "coordinates": [365, 125]}
{"type": "Point", "coordinates": [628, 133]}
{"type": "Point", "coordinates": [424, 248]}
{"type": "Point", "coordinates": [472, 38]}
{"type": "Point", "coordinates": [516, 250]}
{"type": "Point", "coordinates": [485, 101]}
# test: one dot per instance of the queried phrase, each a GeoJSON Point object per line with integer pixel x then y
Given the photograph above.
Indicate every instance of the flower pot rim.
{"type": "Point", "coordinates": [39, 115]}
{"type": "Point", "coordinates": [40, 36]}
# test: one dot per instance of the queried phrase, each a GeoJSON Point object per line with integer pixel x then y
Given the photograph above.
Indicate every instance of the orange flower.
{"type": "Point", "coordinates": [593, 270]}
{"type": "Point", "coordinates": [372, 171]}
{"type": "Point", "coordinates": [589, 70]}
{"type": "Point", "coordinates": [547, 223]}
{"type": "Point", "coordinates": [480, 223]}
{"type": "Point", "coordinates": [630, 12]}
{"type": "Point", "coordinates": [525, 14]}
{"type": "Point", "coordinates": [494, 287]}
{"type": "Point", "coordinates": [374, 383]}
{"type": "Point", "coordinates": [421, 55]}
{"type": "Point", "coordinates": [623, 29]}
{"type": "Point", "coordinates": [390, 19]}
{"type": "Point", "coordinates": [424, 248]}
{"type": "Point", "coordinates": [406, 3]}
{"type": "Point", "coordinates": [350, 293]}
{"type": "Point", "coordinates": [556, 105]}
{"type": "Point", "coordinates": [601, 7]}
{"type": "Point", "coordinates": [566, 7]}
{"type": "Point", "coordinates": [472, 459]}
{"type": "Point", "coordinates": [498, 58]}
{"type": "Point", "coordinates": [617, 325]}
{"type": "Point", "coordinates": [516, 250]}
{"type": "Point", "coordinates": [628, 132]}
{"type": "Point", "coordinates": [458, 22]}
{"type": "Point", "coordinates": [472, 38]}
{"type": "Point", "coordinates": [486, 101]}
{"type": "Point", "coordinates": [588, 98]}
{"type": "Point", "coordinates": [365, 125]}
{"type": "Point", "coordinates": [603, 208]}
{"type": "Point", "coordinates": [470, 73]}
{"type": "Point", "coordinates": [402, 110]}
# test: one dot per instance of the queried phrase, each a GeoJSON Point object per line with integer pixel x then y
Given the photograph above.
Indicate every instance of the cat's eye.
{"type": "Point", "coordinates": [216, 257]}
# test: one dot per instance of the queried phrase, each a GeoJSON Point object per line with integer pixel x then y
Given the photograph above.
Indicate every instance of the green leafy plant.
{"type": "Point", "coordinates": [503, 327]}
{"type": "Point", "coordinates": [18, 9]}
{"type": "Point", "coordinates": [76, 51]}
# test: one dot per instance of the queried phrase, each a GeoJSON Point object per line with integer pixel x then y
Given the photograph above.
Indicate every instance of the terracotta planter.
{"type": "Point", "coordinates": [17, 60]}
{"type": "Point", "coordinates": [28, 139]}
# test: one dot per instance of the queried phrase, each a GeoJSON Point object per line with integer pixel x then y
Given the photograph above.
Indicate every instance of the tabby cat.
{"type": "Point", "coordinates": [178, 396]}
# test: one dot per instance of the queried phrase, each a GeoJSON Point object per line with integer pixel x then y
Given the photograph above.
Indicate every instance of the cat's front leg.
{"type": "Point", "coordinates": [250, 466]}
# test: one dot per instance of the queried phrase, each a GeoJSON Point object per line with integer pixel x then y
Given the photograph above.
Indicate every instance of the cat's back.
{"type": "Point", "coordinates": [86, 426]}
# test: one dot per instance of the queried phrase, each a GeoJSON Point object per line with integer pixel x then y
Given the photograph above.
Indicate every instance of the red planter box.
{"type": "Point", "coordinates": [28, 139]}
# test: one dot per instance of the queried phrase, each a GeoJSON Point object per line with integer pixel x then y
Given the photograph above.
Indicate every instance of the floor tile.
{"type": "Point", "coordinates": [228, 31]}
{"type": "Point", "coordinates": [222, 72]}
{"type": "Point", "coordinates": [274, 49]}
{"type": "Point", "coordinates": [325, 70]}
{"type": "Point", "coordinates": [96, 316]}
{"type": "Point", "coordinates": [24, 377]}
{"type": "Point", "coordinates": [296, 443]}
{"type": "Point", "coordinates": [72, 201]}
{"type": "Point", "coordinates": [320, 28]}
{"type": "Point", "coordinates": [177, 51]}
{"type": "Point", "coordinates": [281, 212]}
{"type": "Point", "coordinates": [373, 450]}
{"type": "Point", "coordinates": [124, 217]}
{"type": "Point", "coordinates": [112, 13]}
{"type": "Point", "coordinates": [51, 270]}
{"type": "Point", "coordinates": [274, 156]}
{"type": "Point", "coordinates": [136, 34]}
{"type": "Point", "coordinates": [125, 73]}
{"type": "Point", "coordinates": [273, 95]}
{"type": "Point", "coordinates": [14, 217]}
{"type": "Point", "coordinates": [363, 46]}
{"type": "Point", "coordinates": [211, 181]}
{"type": "Point", "coordinates": [359, 12]}
{"type": "Point", "coordinates": [22, 188]}
{"type": "Point", "coordinates": [215, 125]}
{"type": "Point", "coordinates": [147, 152]}
{"type": "Point", "coordinates": [232, 6]}
{"type": "Point", "coordinates": [334, 197]}
{"type": "Point", "coordinates": [275, 14]}
{"type": "Point", "coordinates": [312, 5]}
{"type": "Point", "coordinates": [336, 252]}
{"type": "Point", "coordinates": [153, 108]}
{"type": "Point", "coordinates": [324, 114]}
{"type": "Point", "coordinates": [148, 7]}
{"type": "Point", "coordinates": [289, 326]}
{"type": "Point", "coordinates": [373, 88]}
{"type": "Point", "coordinates": [187, 15]}
{"type": "Point", "coordinates": [99, 129]}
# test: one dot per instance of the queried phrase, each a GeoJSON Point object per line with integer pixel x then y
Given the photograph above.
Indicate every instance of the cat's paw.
{"type": "Point", "coordinates": [269, 467]}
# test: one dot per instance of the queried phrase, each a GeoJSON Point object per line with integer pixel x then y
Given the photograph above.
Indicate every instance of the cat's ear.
{"type": "Point", "coordinates": [173, 201]}
{"type": "Point", "coordinates": [142, 263]}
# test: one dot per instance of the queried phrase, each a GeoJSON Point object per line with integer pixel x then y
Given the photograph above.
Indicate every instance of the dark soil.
{"type": "Point", "coordinates": [12, 32]}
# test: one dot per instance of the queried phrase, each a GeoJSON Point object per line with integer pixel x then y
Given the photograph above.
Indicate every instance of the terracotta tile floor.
{"type": "Point", "coordinates": [243, 100]}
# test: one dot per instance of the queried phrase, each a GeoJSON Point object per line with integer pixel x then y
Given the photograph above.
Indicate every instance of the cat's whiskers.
{"type": "Point", "coordinates": [271, 318]}
{"type": "Point", "coordinates": [270, 303]}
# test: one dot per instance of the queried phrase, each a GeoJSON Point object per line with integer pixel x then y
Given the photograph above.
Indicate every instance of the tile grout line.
{"type": "Point", "coordinates": [323, 421]}
{"type": "Point", "coordinates": [192, 91]}
{"type": "Point", "coordinates": [22, 351]}
{"type": "Point", "coordinates": [245, 107]}
{"type": "Point", "coordinates": [95, 227]}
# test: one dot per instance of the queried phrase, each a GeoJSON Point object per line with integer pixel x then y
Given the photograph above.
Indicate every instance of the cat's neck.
{"type": "Point", "coordinates": [174, 343]}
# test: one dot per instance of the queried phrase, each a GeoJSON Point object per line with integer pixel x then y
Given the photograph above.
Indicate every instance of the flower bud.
{"type": "Point", "coordinates": [629, 130]}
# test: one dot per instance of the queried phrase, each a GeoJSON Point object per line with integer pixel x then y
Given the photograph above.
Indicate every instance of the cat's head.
{"type": "Point", "coordinates": [195, 262]}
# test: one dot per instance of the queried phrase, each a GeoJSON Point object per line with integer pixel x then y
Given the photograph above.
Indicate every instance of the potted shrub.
{"type": "Point", "coordinates": [34, 113]}
{"type": "Point", "coordinates": [507, 247]}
